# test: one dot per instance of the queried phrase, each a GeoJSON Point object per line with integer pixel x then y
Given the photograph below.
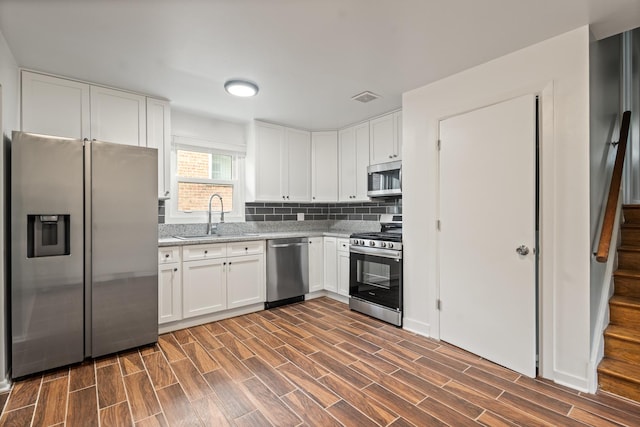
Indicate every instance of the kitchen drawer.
{"type": "Point", "coordinates": [245, 248]}
{"type": "Point", "coordinates": [343, 245]}
{"type": "Point", "coordinates": [168, 255]}
{"type": "Point", "coordinates": [197, 252]}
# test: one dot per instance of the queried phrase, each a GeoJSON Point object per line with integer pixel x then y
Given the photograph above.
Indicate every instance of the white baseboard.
{"type": "Point", "coordinates": [5, 384]}
{"type": "Point", "coordinates": [416, 327]}
{"type": "Point", "coordinates": [571, 381]}
{"type": "Point", "coordinates": [314, 295]}
{"type": "Point", "coordinates": [337, 297]}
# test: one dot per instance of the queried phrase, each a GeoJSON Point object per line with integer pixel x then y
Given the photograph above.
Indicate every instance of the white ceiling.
{"type": "Point", "coordinates": [308, 56]}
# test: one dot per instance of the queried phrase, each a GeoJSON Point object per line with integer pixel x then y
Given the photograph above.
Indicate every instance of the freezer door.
{"type": "Point", "coordinates": [124, 247]}
{"type": "Point", "coordinates": [46, 253]}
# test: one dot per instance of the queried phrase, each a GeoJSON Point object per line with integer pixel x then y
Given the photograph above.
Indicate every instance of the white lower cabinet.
{"type": "Point", "coordinates": [169, 293]}
{"type": "Point", "coordinates": [214, 278]}
{"type": "Point", "coordinates": [336, 265]}
{"type": "Point", "coordinates": [245, 280]}
{"type": "Point", "coordinates": [204, 287]}
{"type": "Point", "coordinates": [330, 264]}
{"type": "Point", "coordinates": [316, 264]}
{"type": "Point", "coordinates": [343, 263]}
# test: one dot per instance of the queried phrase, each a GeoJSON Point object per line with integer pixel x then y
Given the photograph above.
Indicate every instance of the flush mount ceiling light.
{"type": "Point", "coordinates": [242, 88]}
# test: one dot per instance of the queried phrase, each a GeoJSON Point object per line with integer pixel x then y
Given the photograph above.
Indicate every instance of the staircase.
{"type": "Point", "coordinates": [619, 371]}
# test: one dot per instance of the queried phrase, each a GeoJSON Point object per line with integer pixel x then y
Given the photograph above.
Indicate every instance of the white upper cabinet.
{"type": "Point", "coordinates": [159, 137]}
{"type": "Point", "coordinates": [68, 108]}
{"type": "Point", "coordinates": [385, 144]}
{"type": "Point", "coordinates": [324, 166]}
{"type": "Point", "coordinates": [279, 161]}
{"type": "Point", "coordinates": [54, 106]}
{"type": "Point", "coordinates": [269, 143]}
{"type": "Point", "coordinates": [397, 120]}
{"type": "Point", "coordinates": [297, 185]}
{"type": "Point", "coordinates": [353, 159]}
{"type": "Point", "coordinates": [118, 117]}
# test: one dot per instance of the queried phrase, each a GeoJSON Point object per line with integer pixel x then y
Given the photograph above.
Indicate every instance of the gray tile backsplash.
{"type": "Point", "coordinates": [361, 211]}
{"type": "Point", "coordinates": [161, 211]}
{"type": "Point", "coordinates": [334, 212]}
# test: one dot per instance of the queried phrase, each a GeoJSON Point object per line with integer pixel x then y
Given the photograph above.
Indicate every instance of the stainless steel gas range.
{"type": "Point", "coordinates": [375, 281]}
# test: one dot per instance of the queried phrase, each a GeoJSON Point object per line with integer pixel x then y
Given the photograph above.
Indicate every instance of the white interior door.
{"type": "Point", "coordinates": [487, 211]}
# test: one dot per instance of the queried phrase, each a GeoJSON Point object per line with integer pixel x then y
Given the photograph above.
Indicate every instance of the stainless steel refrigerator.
{"type": "Point", "coordinates": [84, 258]}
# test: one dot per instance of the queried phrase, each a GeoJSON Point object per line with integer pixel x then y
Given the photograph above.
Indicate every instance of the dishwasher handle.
{"type": "Point", "coordinates": [286, 245]}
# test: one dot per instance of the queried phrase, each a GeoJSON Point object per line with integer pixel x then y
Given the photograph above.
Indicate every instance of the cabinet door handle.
{"type": "Point", "coordinates": [175, 269]}
{"type": "Point", "coordinates": [224, 263]}
{"type": "Point", "coordinates": [206, 252]}
{"type": "Point", "coordinates": [287, 197]}
{"type": "Point", "coordinates": [246, 249]}
{"type": "Point", "coordinates": [283, 197]}
{"type": "Point", "coordinates": [166, 256]}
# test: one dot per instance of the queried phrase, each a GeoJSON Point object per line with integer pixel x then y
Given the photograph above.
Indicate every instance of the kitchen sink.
{"type": "Point", "coordinates": [198, 237]}
{"type": "Point", "coordinates": [214, 236]}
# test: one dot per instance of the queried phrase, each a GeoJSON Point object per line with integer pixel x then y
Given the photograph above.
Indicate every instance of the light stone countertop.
{"type": "Point", "coordinates": [245, 237]}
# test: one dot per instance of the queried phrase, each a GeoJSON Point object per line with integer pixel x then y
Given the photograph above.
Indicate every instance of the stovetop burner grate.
{"type": "Point", "coordinates": [382, 236]}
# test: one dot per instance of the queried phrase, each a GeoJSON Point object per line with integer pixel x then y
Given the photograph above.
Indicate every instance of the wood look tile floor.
{"type": "Point", "coordinates": [315, 363]}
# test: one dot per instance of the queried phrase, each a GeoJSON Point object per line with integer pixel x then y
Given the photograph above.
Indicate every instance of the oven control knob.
{"type": "Point", "coordinates": [383, 245]}
{"type": "Point", "coordinates": [372, 243]}
{"type": "Point", "coordinates": [390, 245]}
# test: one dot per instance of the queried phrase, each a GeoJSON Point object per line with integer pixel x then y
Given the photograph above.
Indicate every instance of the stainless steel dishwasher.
{"type": "Point", "coordinates": [287, 271]}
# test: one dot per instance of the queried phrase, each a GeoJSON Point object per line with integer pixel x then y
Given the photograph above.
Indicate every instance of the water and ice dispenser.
{"type": "Point", "coordinates": [48, 235]}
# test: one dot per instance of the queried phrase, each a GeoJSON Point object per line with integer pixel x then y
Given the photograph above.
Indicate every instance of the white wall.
{"type": "Point", "coordinates": [185, 123]}
{"type": "Point", "coordinates": [9, 121]}
{"type": "Point", "coordinates": [558, 70]}
{"type": "Point", "coordinates": [605, 67]}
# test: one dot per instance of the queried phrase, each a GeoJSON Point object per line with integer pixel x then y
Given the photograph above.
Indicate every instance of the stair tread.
{"type": "Point", "coordinates": [631, 206]}
{"type": "Point", "coordinates": [627, 273]}
{"type": "Point", "coordinates": [620, 369]}
{"type": "Point", "coordinates": [631, 225]}
{"type": "Point", "coordinates": [623, 333]}
{"type": "Point", "coordinates": [626, 301]}
{"type": "Point", "coordinates": [629, 248]}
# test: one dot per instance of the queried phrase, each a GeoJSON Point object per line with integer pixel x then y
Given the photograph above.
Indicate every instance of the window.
{"type": "Point", "coordinates": [199, 172]}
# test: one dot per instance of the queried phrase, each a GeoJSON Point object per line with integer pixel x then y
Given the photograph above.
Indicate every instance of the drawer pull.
{"type": "Point", "coordinates": [206, 252]}
{"type": "Point", "coordinates": [166, 256]}
{"type": "Point", "coordinates": [175, 269]}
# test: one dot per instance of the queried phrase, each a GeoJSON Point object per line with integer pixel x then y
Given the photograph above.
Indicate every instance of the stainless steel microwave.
{"type": "Point", "coordinates": [385, 180]}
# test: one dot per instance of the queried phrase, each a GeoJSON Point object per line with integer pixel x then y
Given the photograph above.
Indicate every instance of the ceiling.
{"type": "Point", "coordinates": [309, 57]}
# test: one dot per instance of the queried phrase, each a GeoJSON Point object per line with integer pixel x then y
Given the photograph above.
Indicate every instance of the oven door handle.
{"type": "Point", "coordinates": [383, 253]}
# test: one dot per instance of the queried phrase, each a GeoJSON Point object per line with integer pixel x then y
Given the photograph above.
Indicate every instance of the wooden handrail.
{"type": "Point", "coordinates": [614, 191]}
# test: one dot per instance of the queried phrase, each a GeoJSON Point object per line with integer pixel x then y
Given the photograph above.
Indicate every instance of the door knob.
{"type": "Point", "coordinates": [522, 250]}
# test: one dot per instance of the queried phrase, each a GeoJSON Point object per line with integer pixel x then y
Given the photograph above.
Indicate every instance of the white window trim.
{"type": "Point", "coordinates": [174, 216]}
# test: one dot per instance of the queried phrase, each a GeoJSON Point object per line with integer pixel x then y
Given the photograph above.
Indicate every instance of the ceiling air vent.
{"type": "Point", "coordinates": [365, 97]}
